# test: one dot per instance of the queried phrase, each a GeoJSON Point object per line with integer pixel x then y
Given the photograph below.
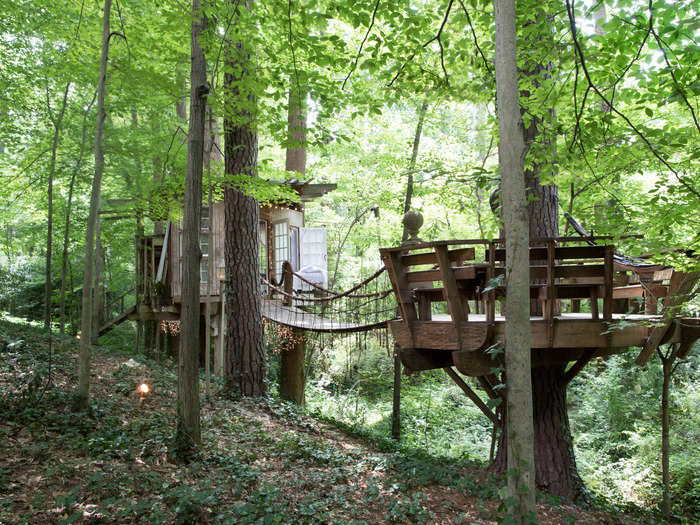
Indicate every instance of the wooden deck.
{"type": "Point", "coordinates": [465, 277]}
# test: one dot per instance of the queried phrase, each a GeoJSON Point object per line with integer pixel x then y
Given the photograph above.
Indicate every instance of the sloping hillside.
{"type": "Point", "coordinates": [263, 461]}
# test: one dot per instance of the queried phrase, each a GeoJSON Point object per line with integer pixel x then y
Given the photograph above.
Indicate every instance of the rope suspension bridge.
{"type": "Point", "coordinates": [367, 306]}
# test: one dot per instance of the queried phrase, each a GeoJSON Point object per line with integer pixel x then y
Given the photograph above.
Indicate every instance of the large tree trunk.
{"type": "Point", "coordinates": [86, 313]}
{"type": "Point", "coordinates": [555, 463]}
{"type": "Point", "coordinates": [188, 426]}
{"type": "Point", "coordinates": [292, 358]}
{"type": "Point", "coordinates": [511, 148]}
{"type": "Point", "coordinates": [56, 121]}
{"type": "Point", "coordinates": [245, 354]}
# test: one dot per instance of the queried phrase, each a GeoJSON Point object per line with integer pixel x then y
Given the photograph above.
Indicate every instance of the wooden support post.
{"type": "Point", "coordinates": [594, 303]}
{"type": "Point", "coordinates": [397, 274]}
{"type": "Point", "coordinates": [578, 366]}
{"type": "Point", "coordinates": [396, 400]}
{"type": "Point", "coordinates": [549, 305]}
{"type": "Point", "coordinates": [452, 296]}
{"type": "Point", "coordinates": [288, 280]}
{"type": "Point", "coordinates": [608, 286]}
{"type": "Point", "coordinates": [490, 309]}
{"type": "Point", "coordinates": [471, 395]}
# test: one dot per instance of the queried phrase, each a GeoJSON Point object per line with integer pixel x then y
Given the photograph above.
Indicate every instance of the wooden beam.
{"type": "Point", "coordinates": [578, 366]}
{"type": "Point", "coordinates": [682, 284]}
{"type": "Point", "coordinates": [455, 305]}
{"type": "Point", "coordinates": [471, 395]}
{"type": "Point", "coordinates": [416, 359]}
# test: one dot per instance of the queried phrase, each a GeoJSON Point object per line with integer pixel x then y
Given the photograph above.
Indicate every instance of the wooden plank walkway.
{"type": "Point", "coordinates": [273, 310]}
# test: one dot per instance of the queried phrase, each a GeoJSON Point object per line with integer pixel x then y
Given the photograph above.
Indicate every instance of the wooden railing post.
{"type": "Point", "coordinates": [288, 280]}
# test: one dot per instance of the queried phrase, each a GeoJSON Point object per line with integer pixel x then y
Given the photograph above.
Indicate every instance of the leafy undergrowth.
{"type": "Point", "coordinates": [262, 461]}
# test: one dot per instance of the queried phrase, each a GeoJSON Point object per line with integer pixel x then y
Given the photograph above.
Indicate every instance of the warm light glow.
{"type": "Point", "coordinates": [144, 389]}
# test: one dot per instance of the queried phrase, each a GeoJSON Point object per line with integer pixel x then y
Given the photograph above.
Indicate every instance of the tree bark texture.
{"type": "Point", "coordinates": [57, 121]}
{"type": "Point", "coordinates": [188, 429]}
{"type": "Point", "coordinates": [296, 133]}
{"type": "Point", "coordinates": [520, 434]}
{"type": "Point", "coordinates": [293, 356]}
{"type": "Point", "coordinates": [245, 353]}
{"type": "Point", "coordinates": [96, 290]}
{"type": "Point", "coordinates": [292, 370]}
{"type": "Point", "coordinates": [86, 313]}
{"type": "Point", "coordinates": [555, 463]}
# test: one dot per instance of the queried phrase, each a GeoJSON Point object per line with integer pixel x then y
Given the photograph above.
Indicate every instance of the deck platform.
{"type": "Point", "coordinates": [465, 278]}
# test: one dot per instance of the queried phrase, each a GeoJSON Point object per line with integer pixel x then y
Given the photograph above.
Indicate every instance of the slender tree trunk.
{"type": "Point", "coordinates": [57, 121]}
{"type": "Point", "coordinates": [396, 397]}
{"type": "Point", "coordinates": [292, 358]}
{"type": "Point", "coordinates": [86, 313]}
{"type": "Point", "coordinates": [520, 435]}
{"type": "Point", "coordinates": [210, 141]}
{"type": "Point", "coordinates": [188, 427]}
{"type": "Point", "coordinates": [245, 353]}
{"type": "Point", "coordinates": [412, 163]}
{"type": "Point", "coordinates": [96, 292]}
{"type": "Point", "coordinates": [66, 230]}
{"type": "Point", "coordinates": [667, 367]}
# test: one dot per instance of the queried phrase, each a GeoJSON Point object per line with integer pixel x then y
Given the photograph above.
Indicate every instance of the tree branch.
{"type": "Point", "coordinates": [439, 41]}
{"type": "Point", "coordinates": [579, 51]}
{"type": "Point", "coordinates": [362, 44]}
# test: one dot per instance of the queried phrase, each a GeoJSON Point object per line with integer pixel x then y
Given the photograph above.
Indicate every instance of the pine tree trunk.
{"type": "Point", "coordinates": [555, 463]}
{"type": "Point", "coordinates": [519, 409]}
{"type": "Point", "coordinates": [245, 354]}
{"type": "Point", "coordinates": [292, 358]}
{"type": "Point", "coordinates": [188, 427]}
{"type": "Point", "coordinates": [86, 313]}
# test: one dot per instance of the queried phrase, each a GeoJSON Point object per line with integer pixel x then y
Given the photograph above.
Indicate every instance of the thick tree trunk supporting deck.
{"type": "Point", "coordinates": [555, 463]}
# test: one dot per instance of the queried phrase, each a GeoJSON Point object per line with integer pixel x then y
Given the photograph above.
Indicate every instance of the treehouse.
{"type": "Point", "coordinates": [590, 302]}
{"type": "Point", "coordinates": [158, 265]}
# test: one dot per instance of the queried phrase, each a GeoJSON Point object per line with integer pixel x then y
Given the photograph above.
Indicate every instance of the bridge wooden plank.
{"type": "Point", "coordinates": [274, 310]}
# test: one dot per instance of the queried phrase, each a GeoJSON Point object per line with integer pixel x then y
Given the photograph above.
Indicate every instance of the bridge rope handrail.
{"type": "Point", "coordinates": [347, 292]}
{"type": "Point", "coordinates": [336, 295]}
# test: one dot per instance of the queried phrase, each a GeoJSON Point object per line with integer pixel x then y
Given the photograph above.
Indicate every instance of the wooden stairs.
{"type": "Point", "coordinates": [119, 314]}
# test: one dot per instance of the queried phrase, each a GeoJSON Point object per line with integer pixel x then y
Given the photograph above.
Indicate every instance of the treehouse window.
{"type": "Point", "coordinates": [203, 271]}
{"type": "Point", "coordinates": [204, 243]}
{"type": "Point", "coordinates": [262, 247]}
{"type": "Point", "coordinates": [281, 247]}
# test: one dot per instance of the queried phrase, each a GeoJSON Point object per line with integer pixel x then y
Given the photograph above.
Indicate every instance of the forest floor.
{"type": "Point", "coordinates": [262, 461]}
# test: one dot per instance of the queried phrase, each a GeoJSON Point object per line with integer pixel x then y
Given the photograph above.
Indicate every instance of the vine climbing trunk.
{"type": "Point", "coordinates": [86, 313]}
{"type": "Point", "coordinates": [245, 364]}
{"type": "Point", "coordinates": [292, 358]}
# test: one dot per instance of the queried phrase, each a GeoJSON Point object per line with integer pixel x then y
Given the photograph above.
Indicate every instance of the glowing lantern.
{"type": "Point", "coordinates": [144, 389]}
